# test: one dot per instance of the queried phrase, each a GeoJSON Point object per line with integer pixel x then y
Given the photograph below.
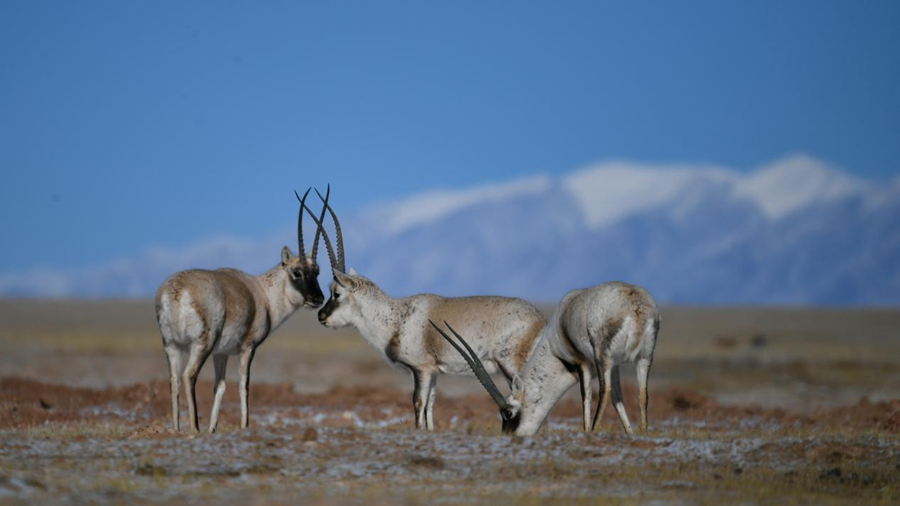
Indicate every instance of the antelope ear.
{"type": "Point", "coordinates": [517, 383]}
{"type": "Point", "coordinates": [345, 280]}
{"type": "Point", "coordinates": [286, 255]}
{"type": "Point", "coordinates": [353, 272]}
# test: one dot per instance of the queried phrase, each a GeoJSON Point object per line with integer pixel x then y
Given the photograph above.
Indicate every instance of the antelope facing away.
{"type": "Point", "coordinates": [398, 328]}
{"type": "Point", "coordinates": [594, 329]}
{"type": "Point", "coordinates": [229, 312]}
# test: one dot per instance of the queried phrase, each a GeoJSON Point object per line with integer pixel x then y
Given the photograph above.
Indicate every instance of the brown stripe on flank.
{"type": "Point", "coordinates": [392, 350]}
{"type": "Point", "coordinates": [527, 344]}
{"type": "Point", "coordinates": [609, 330]}
{"type": "Point", "coordinates": [435, 345]}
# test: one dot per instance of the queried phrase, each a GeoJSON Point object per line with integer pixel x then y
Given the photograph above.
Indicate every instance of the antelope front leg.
{"type": "Point", "coordinates": [244, 387]}
{"type": "Point", "coordinates": [422, 380]}
{"type": "Point", "coordinates": [429, 409]}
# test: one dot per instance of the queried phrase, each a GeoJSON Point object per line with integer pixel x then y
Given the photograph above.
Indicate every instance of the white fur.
{"type": "Point", "coordinates": [546, 378]}
{"type": "Point", "coordinates": [199, 324]}
{"type": "Point", "coordinates": [503, 326]}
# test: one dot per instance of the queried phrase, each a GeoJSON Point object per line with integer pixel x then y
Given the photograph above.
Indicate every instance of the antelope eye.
{"type": "Point", "coordinates": [507, 414]}
{"type": "Point", "coordinates": [298, 274]}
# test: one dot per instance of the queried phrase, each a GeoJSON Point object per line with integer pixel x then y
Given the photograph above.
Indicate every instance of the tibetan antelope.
{"type": "Point", "coordinates": [594, 329]}
{"type": "Point", "coordinates": [229, 312]}
{"type": "Point", "coordinates": [398, 328]}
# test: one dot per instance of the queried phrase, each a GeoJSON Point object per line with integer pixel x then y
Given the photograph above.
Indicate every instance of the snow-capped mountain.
{"type": "Point", "coordinates": [796, 231]}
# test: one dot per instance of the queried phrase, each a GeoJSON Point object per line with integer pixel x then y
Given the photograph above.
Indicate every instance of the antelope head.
{"type": "Point", "coordinates": [349, 291]}
{"type": "Point", "coordinates": [302, 270]}
{"type": "Point", "coordinates": [511, 406]}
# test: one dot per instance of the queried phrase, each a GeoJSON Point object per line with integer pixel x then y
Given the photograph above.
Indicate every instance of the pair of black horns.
{"type": "Point", "coordinates": [337, 261]}
{"type": "Point", "coordinates": [474, 363]}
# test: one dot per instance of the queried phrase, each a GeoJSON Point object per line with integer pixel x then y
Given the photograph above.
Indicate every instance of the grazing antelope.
{"type": "Point", "coordinates": [398, 328]}
{"type": "Point", "coordinates": [229, 312]}
{"type": "Point", "coordinates": [593, 329]}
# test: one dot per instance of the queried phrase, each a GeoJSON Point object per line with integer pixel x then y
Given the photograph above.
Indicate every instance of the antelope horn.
{"type": "Point", "coordinates": [315, 248]}
{"type": "Point", "coordinates": [300, 221]}
{"type": "Point", "coordinates": [321, 228]}
{"type": "Point", "coordinates": [474, 363]}
{"type": "Point", "coordinates": [340, 236]}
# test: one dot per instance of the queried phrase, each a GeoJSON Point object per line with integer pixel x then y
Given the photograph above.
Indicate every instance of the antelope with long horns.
{"type": "Point", "coordinates": [229, 312]}
{"type": "Point", "coordinates": [592, 330]}
{"type": "Point", "coordinates": [398, 328]}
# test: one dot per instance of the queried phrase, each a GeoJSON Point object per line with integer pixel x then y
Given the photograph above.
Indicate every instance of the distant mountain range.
{"type": "Point", "coordinates": [796, 231]}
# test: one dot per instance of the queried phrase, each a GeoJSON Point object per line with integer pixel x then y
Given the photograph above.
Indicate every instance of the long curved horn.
{"type": "Point", "coordinates": [300, 221]}
{"type": "Point", "coordinates": [340, 236]}
{"type": "Point", "coordinates": [477, 367]}
{"type": "Point", "coordinates": [331, 256]}
{"type": "Point", "coordinates": [315, 248]}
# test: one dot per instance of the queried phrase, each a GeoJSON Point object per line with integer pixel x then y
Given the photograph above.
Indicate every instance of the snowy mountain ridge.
{"type": "Point", "coordinates": [796, 231]}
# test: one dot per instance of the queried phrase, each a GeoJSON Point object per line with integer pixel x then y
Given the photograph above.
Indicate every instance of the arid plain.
{"type": "Point", "coordinates": [750, 405]}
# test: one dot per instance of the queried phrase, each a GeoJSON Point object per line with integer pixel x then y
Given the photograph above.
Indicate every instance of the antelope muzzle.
{"type": "Point", "coordinates": [326, 311]}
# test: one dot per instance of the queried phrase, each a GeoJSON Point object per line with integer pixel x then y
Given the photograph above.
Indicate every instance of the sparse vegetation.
{"type": "Point", "coordinates": [741, 423]}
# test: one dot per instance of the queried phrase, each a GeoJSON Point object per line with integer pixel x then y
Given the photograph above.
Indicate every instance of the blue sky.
{"type": "Point", "coordinates": [126, 125]}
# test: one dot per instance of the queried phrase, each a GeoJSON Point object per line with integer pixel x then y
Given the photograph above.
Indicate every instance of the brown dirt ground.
{"type": "Point", "coordinates": [26, 403]}
{"type": "Point", "coordinates": [777, 406]}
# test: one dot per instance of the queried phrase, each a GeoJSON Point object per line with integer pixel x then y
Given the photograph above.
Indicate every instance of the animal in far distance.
{"type": "Point", "coordinates": [398, 328]}
{"type": "Point", "coordinates": [592, 330]}
{"type": "Point", "coordinates": [229, 312]}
